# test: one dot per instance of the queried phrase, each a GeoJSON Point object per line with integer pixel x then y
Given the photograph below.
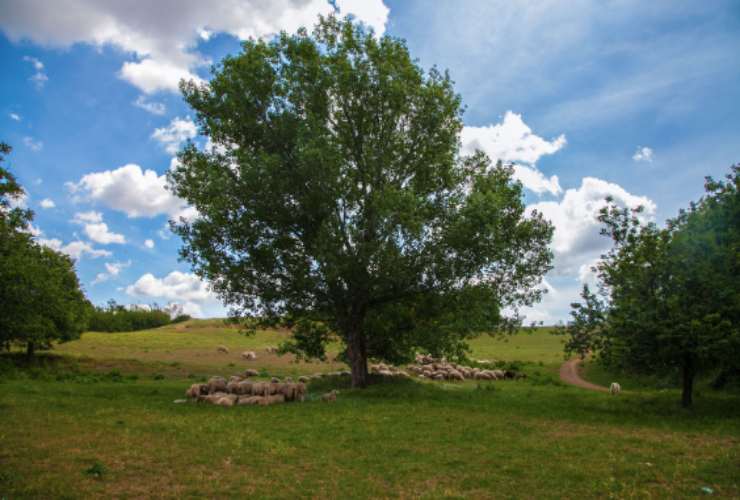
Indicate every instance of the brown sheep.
{"type": "Point", "coordinates": [244, 387]}
{"type": "Point", "coordinates": [271, 400]}
{"type": "Point", "coordinates": [330, 397]}
{"type": "Point", "coordinates": [251, 373]}
{"type": "Point", "coordinates": [232, 387]}
{"type": "Point", "coordinates": [196, 390]}
{"type": "Point", "coordinates": [228, 400]}
{"type": "Point", "coordinates": [216, 384]}
{"type": "Point", "coordinates": [250, 400]}
{"type": "Point", "coordinates": [260, 389]}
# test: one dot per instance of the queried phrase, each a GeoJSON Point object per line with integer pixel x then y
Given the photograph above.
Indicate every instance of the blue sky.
{"type": "Point", "coordinates": [638, 100]}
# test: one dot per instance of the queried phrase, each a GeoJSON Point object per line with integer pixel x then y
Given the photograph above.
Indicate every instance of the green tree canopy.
{"type": "Point", "coordinates": [40, 296]}
{"type": "Point", "coordinates": [332, 192]}
{"type": "Point", "coordinates": [669, 297]}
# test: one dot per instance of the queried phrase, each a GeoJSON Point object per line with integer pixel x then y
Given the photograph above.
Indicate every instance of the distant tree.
{"type": "Point", "coordinates": [333, 193]}
{"type": "Point", "coordinates": [670, 297]}
{"type": "Point", "coordinates": [40, 296]}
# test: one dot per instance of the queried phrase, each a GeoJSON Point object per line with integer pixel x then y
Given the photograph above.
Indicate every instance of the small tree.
{"type": "Point", "coordinates": [670, 297]}
{"type": "Point", "coordinates": [40, 296]}
{"type": "Point", "coordinates": [333, 194]}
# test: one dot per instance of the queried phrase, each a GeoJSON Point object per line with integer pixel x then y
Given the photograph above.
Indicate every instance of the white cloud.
{"type": "Point", "coordinates": [175, 134]}
{"type": "Point", "coordinates": [512, 141]}
{"type": "Point", "coordinates": [184, 289]}
{"type": "Point", "coordinates": [75, 249]}
{"type": "Point", "coordinates": [643, 154]}
{"type": "Point", "coordinates": [155, 108]}
{"type": "Point", "coordinates": [47, 203]}
{"type": "Point", "coordinates": [534, 180]}
{"type": "Point", "coordinates": [112, 269]}
{"type": "Point", "coordinates": [33, 144]}
{"type": "Point", "coordinates": [39, 78]}
{"type": "Point", "coordinates": [149, 243]}
{"type": "Point", "coordinates": [96, 229]}
{"type": "Point", "coordinates": [162, 38]}
{"type": "Point", "coordinates": [577, 240]}
{"type": "Point", "coordinates": [129, 189]}
{"type": "Point", "coordinates": [15, 116]}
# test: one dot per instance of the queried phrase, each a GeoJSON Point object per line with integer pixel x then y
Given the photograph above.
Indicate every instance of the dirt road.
{"type": "Point", "coordinates": [569, 374]}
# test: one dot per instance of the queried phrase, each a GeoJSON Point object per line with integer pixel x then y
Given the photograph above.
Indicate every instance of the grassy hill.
{"type": "Point", "coordinates": [97, 419]}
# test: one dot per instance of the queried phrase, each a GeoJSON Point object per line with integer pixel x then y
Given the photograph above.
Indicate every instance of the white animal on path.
{"type": "Point", "coordinates": [615, 388]}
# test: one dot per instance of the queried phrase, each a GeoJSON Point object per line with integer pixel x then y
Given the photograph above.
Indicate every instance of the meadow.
{"type": "Point", "coordinates": [96, 419]}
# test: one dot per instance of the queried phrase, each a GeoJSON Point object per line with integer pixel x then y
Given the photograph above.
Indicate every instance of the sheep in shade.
{"type": "Point", "coordinates": [615, 388]}
{"type": "Point", "coordinates": [330, 397]}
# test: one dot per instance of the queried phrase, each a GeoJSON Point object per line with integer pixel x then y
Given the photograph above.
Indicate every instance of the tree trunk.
{"type": "Point", "coordinates": [358, 357]}
{"type": "Point", "coordinates": [688, 373]}
{"type": "Point", "coordinates": [30, 349]}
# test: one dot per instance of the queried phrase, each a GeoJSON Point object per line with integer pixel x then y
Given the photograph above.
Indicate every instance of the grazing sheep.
{"type": "Point", "coordinates": [500, 374]}
{"type": "Point", "coordinates": [251, 373]}
{"type": "Point", "coordinates": [615, 388]}
{"type": "Point", "coordinates": [249, 355]}
{"type": "Point", "coordinates": [455, 375]}
{"type": "Point", "coordinates": [288, 379]}
{"type": "Point", "coordinates": [235, 378]}
{"type": "Point", "coordinates": [232, 387]}
{"type": "Point", "coordinates": [216, 384]}
{"type": "Point", "coordinates": [244, 387]}
{"type": "Point", "coordinates": [385, 373]}
{"type": "Point", "coordinates": [300, 393]}
{"type": "Point", "coordinates": [196, 390]}
{"type": "Point", "coordinates": [223, 349]}
{"type": "Point", "coordinates": [330, 397]}
{"type": "Point", "coordinates": [275, 380]}
{"type": "Point", "coordinates": [303, 379]}
{"type": "Point", "coordinates": [260, 389]}
{"type": "Point", "coordinates": [271, 349]}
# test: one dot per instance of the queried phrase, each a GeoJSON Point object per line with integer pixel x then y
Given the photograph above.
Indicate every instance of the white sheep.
{"type": "Point", "coordinates": [615, 388]}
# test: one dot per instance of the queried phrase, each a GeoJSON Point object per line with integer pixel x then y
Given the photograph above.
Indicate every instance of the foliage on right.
{"type": "Point", "coordinates": [669, 298]}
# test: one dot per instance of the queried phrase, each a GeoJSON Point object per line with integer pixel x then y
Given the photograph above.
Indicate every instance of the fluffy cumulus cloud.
{"type": "Point", "coordinates": [181, 288]}
{"type": "Point", "coordinates": [149, 244]}
{"type": "Point", "coordinates": [643, 154]}
{"type": "Point", "coordinates": [512, 141]}
{"type": "Point", "coordinates": [112, 269]}
{"type": "Point", "coordinates": [96, 229]}
{"type": "Point", "coordinates": [175, 134]}
{"type": "Point", "coordinates": [131, 190]}
{"type": "Point", "coordinates": [47, 203]}
{"type": "Point", "coordinates": [577, 240]}
{"type": "Point", "coordinates": [163, 38]}
{"type": "Point", "coordinates": [75, 249]}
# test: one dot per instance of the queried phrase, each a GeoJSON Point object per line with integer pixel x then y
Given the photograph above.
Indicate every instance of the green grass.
{"type": "Point", "coordinates": [74, 428]}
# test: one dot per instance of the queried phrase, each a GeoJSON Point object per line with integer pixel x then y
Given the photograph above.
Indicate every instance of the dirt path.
{"type": "Point", "coordinates": [569, 374]}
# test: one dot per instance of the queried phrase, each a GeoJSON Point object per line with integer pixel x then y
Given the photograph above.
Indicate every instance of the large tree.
{"type": "Point", "coordinates": [40, 296]}
{"type": "Point", "coordinates": [332, 192]}
{"type": "Point", "coordinates": [669, 300]}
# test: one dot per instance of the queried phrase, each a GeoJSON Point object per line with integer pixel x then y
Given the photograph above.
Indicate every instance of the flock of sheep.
{"type": "Point", "coordinates": [428, 367]}
{"type": "Point", "coordinates": [240, 390]}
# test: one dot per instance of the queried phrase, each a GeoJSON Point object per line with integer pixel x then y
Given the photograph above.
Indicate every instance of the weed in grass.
{"type": "Point", "coordinates": [96, 470]}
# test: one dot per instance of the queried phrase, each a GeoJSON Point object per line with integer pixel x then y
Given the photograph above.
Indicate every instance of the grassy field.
{"type": "Point", "coordinates": [99, 421]}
